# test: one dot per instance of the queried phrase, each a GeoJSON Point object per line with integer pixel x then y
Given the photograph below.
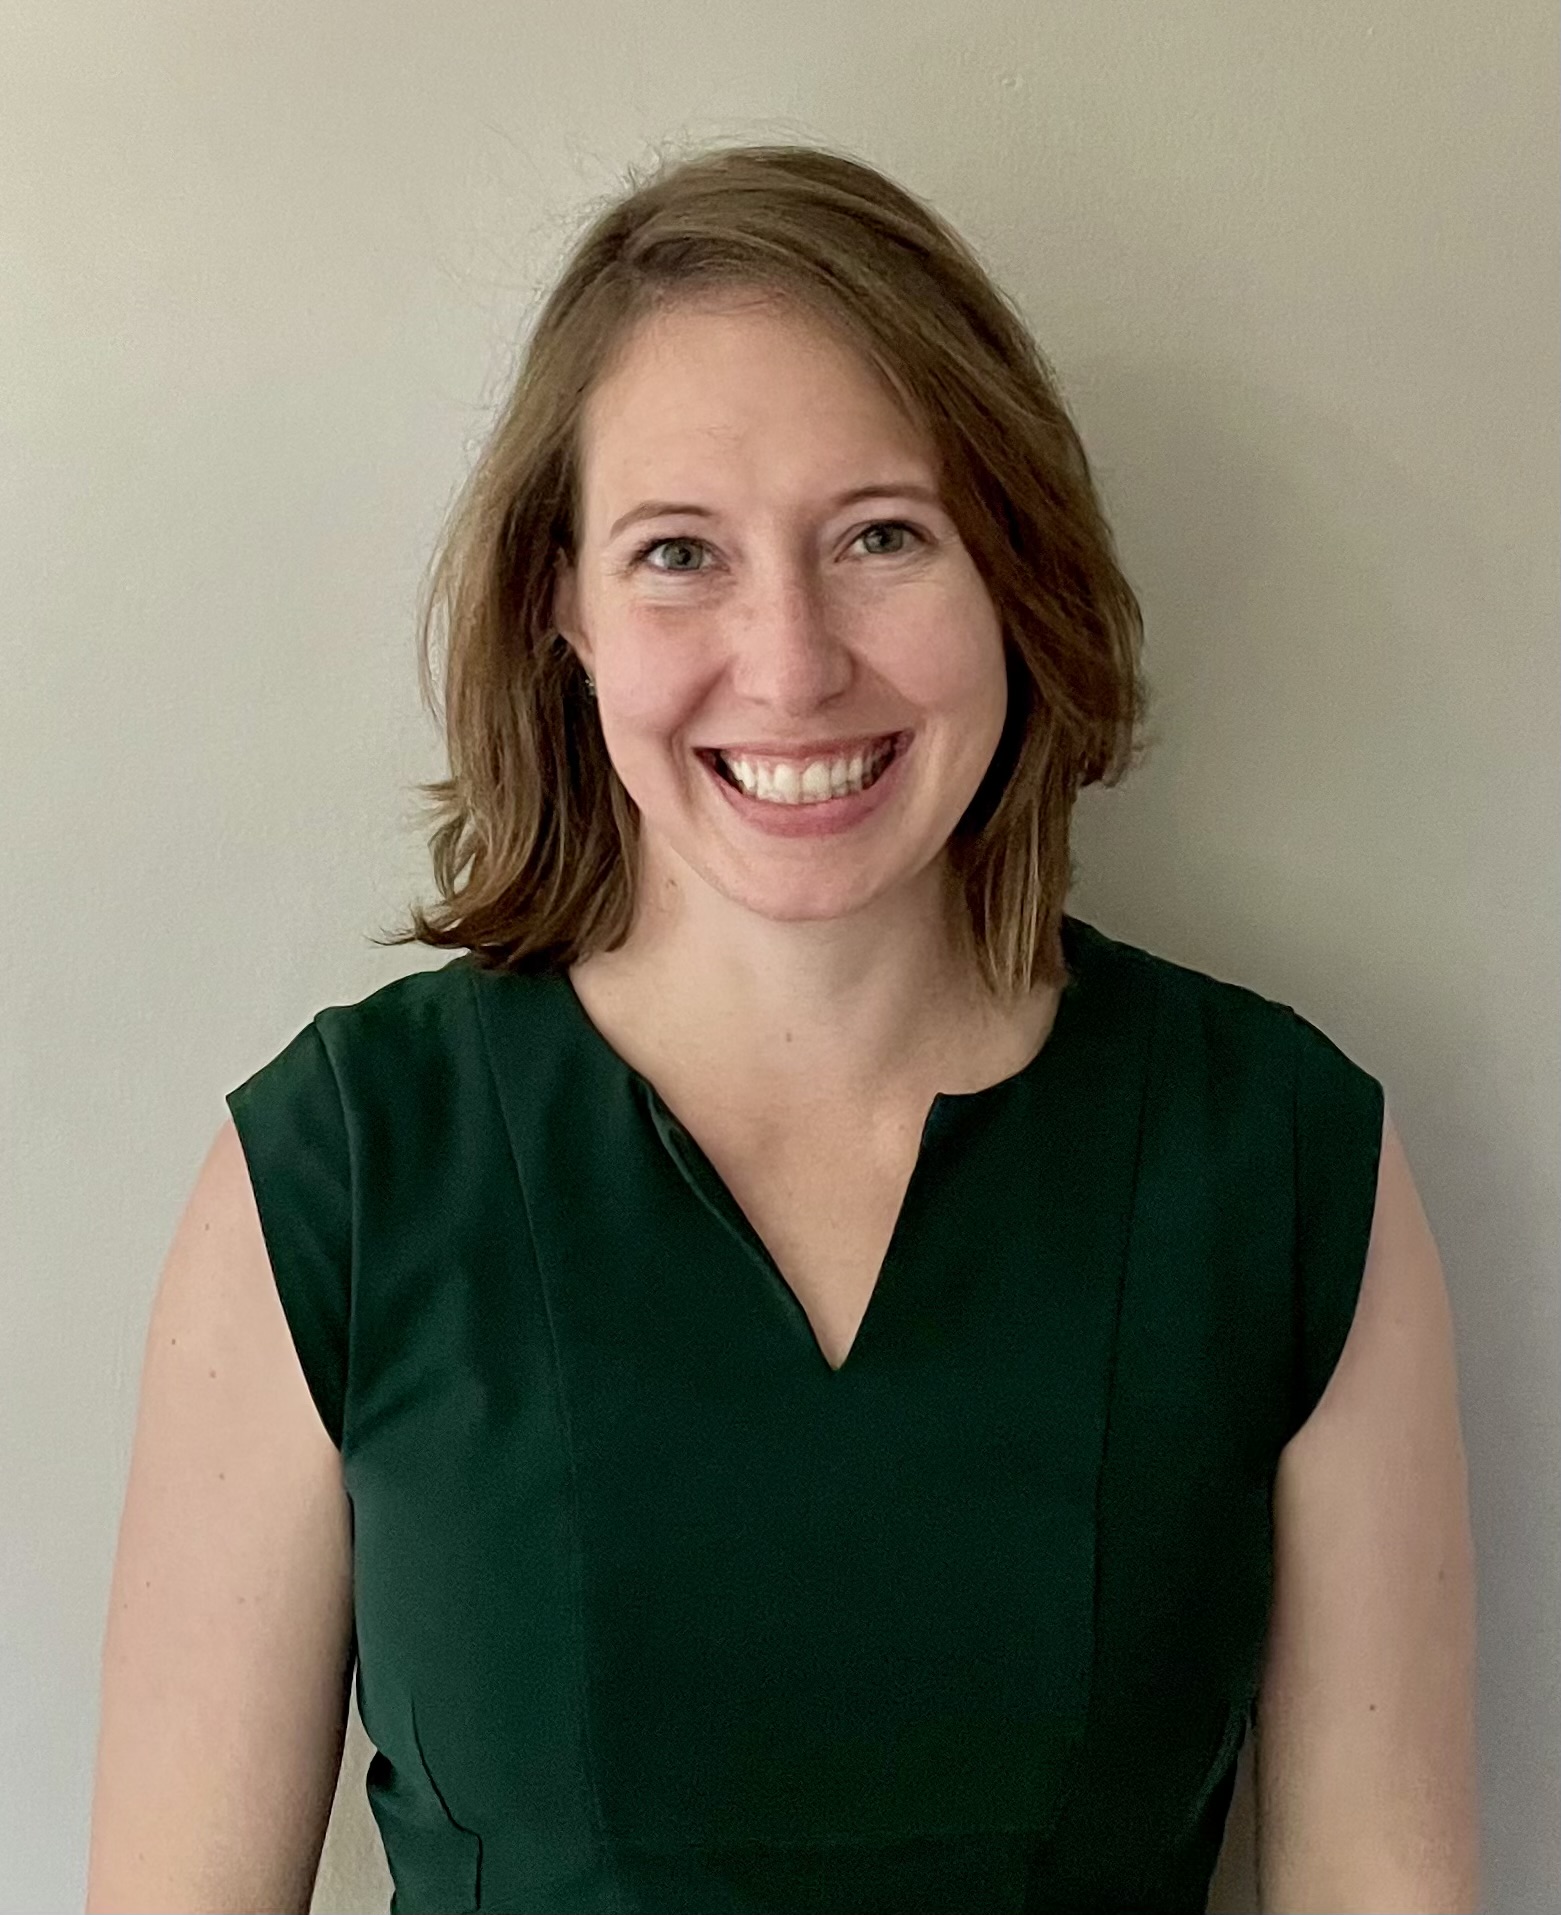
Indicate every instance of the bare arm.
{"type": "Point", "coordinates": [1365, 1745]}
{"type": "Point", "coordinates": [227, 1653]}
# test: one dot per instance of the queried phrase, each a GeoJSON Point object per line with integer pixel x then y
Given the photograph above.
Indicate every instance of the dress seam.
{"type": "Point", "coordinates": [560, 1409]}
{"type": "Point", "coordinates": [1124, 1275]}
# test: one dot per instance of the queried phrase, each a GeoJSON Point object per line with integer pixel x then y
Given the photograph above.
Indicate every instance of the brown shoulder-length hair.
{"type": "Point", "coordinates": [535, 852]}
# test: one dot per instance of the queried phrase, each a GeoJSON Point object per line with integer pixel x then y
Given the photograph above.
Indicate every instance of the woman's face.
{"type": "Point", "coordinates": [727, 597]}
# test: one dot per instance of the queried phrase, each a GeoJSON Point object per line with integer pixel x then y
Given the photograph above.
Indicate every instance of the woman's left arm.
{"type": "Point", "coordinates": [1365, 1742]}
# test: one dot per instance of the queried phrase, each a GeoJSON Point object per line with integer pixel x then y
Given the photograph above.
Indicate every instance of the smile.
{"type": "Point", "coordinates": [817, 800]}
{"type": "Point", "coordinates": [805, 782]}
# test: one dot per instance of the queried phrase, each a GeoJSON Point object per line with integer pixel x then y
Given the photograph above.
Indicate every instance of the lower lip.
{"type": "Point", "coordinates": [821, 819]}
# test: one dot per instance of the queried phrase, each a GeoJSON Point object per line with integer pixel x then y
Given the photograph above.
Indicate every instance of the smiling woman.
{"type": "Point", "coordinates": [820, 1363]}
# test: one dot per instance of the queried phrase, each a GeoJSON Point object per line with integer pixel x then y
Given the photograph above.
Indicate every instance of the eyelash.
{"type": "Point", "coordinates": [676, 538]}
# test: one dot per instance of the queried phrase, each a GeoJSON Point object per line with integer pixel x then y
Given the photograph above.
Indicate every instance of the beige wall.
{"type": "Point", "coordinates": [262, 268]}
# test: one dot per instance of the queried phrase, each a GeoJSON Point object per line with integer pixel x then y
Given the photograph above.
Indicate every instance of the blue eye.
{"type": "Point", "coordinates": [654, 545]}
{"type": "Point", "coordinates": [645, 551]}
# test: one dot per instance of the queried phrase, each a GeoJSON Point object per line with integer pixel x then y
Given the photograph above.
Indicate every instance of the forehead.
{"type": "Point", "coordinates": [751, 391]}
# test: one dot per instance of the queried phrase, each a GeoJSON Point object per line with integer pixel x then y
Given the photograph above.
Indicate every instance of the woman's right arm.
{"type": "Point", "coordinates": [227, 1654]}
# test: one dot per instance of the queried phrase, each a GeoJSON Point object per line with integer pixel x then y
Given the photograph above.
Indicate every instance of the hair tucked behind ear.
{"type": "Point", "coordinates": [535, 849]}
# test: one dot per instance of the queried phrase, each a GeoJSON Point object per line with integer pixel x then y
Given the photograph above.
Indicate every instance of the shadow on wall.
{"type": "Point", "coordinates": [1233, 1891]}
{"type": "Point", "coordinates": [353, 1877]}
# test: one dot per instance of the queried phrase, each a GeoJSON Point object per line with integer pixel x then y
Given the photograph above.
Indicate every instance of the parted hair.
{"type": "Point", "coordinates": [535, 841]}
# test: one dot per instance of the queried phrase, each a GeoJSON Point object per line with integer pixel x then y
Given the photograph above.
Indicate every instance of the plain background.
{"type": "Point", "coordinates": [263, 270]}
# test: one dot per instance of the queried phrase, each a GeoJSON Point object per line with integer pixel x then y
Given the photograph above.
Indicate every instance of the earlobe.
{"type": "Point", "coordinates": [563, 612]}
{"type": "Point", "coordinates": [563, 605]}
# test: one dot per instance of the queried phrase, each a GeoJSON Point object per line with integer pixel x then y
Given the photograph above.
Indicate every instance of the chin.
{"type": "Point", "coordinates": [799, 896]}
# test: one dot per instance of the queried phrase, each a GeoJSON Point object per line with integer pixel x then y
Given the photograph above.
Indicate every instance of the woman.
{"type": "Point", "coordinates": [806, 1377]}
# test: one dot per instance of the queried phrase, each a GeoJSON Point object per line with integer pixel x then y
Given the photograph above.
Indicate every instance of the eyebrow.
{"type": "Point", "coordinates": [907, 489]}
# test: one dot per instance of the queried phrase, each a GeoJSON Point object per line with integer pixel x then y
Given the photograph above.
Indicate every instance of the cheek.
{"type": "Point", "coordinates": [648, 731]}
{"type": "Point", "coordinates": [952, 669]}
{"type": "Point", "coordinates": [950, 645]}
{"type": "Point", "coordinates": [657, 683]}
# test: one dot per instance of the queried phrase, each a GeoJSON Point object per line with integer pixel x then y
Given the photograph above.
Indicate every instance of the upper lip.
{"type": "Point", "coordinates": [817, 748]}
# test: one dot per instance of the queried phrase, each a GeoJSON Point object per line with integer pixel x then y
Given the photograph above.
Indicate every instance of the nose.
{"type": "Point", "coordinates": [790, 648]}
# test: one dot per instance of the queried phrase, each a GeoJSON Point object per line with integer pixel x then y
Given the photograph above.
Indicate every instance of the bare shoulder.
{"type": "Point", "coordinates": [1366, 1742]}
{"type": "Point", "coordinates": [226, 1649]}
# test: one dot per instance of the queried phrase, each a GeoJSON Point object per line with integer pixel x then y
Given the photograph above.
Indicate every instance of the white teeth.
{"type": "Point", "coordinates": [785, 785]}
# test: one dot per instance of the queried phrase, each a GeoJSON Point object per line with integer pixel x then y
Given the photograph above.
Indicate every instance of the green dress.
{"type": "Point", "coordinates": [657, 1611]}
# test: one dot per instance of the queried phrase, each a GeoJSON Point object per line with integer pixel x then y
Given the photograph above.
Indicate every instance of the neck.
{"type": "Point", "coordinates": [801, 1016]}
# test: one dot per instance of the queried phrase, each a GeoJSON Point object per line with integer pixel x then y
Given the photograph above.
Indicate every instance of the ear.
{"type": "Point", "coordinates": [565, 610]}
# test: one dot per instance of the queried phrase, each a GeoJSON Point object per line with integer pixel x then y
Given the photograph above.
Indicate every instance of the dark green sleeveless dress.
{"type": "Point", "coordinates": [655, 1610]}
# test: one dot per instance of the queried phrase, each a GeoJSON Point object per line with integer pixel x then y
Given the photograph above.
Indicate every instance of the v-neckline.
{"type": "Point", "coordinates": [947, 1111]}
